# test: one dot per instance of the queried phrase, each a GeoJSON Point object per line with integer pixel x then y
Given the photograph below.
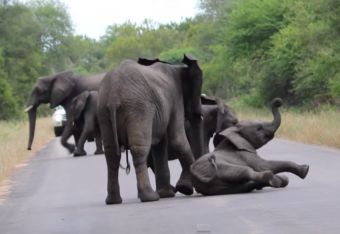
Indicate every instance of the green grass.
{"type": "Point", "coordinates": [13, 142]}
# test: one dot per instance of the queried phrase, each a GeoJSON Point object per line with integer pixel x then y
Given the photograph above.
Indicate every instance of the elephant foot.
{"type": "Point", "coordinates": [266, 176]}
{"type": "Point", "coordinates": [184, 185]}
{"type": "Point", "coordinates": [166, 192]}
{"type": "Point", "coordinates": [284, 180]}
{"type": "Point", "coordinates": [303, 171]}
{"type": "Point", "coordinates": [70, 148]}
{"type": "Point", "coordinates": [173, 188]}
{"type": "Point", "coordinates": [79, 153]}
{"type": "Point", "coordinates": [113, 199]}
{"type": "Point", "coordinates": [275, 182]}
{"type": "Point", "coordinates": [99, 152]}
{"type": "Point", "coordinates": [148, 196]}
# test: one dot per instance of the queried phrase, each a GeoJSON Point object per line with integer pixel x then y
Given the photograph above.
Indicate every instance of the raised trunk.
{"type": "Point", "coordinates": [276, 103]}
{"type": "Point", "coordinates": [32, 116]}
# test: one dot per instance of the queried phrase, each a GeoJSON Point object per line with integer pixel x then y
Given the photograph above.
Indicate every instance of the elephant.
{"type": "Point", "coordinates": [216, 116]}
{"type": "Point", "coordinates": [59, 89]}
{"type": "Point", "coordinates": [83, 115]}
{"type": "Point", "coordinates": [235, 167]}
{"type": "Point", "coordinates": [143, 107]}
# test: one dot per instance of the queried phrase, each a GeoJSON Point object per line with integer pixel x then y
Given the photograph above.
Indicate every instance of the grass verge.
{"type": "Point", "coordinates": [13, 142]}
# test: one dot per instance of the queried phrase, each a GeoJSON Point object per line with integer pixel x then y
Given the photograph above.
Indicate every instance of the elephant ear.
{"type": "Point", "coordinates": [220, 113]}
{"type": "Point", "coordinates": [205, 170]}
{"type": "Point", "coordinates": [79, 103]}
{"type": "Point", "coordinates": [147, 62]}
{"type": "Point", "coordinates": [192, 87]}
{"type": "Point", "coordinates": [237, 140]}
{"type": "Point", "coordinates": [62, 88]}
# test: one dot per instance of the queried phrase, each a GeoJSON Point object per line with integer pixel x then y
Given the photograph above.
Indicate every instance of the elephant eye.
{"type": "Point", "coordinates": [259, 128]}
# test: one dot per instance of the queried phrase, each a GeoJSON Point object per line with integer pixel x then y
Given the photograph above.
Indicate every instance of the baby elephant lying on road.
{"type": "Point", "coordinates": [235, 167]}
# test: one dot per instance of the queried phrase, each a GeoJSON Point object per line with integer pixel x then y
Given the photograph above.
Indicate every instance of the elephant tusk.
{"type": "Point", "coordinates": [29, 108]}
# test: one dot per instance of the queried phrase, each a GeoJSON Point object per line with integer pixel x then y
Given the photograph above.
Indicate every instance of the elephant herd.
{"type": "Point", "coordinates": [156, 110]}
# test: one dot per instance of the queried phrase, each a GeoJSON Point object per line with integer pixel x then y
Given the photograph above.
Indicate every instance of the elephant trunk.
{"type": "Point", "coordinates": [276, 103]}
{"type": "Point", "coordinates": [195, 137]}
{"type": "Point", "coordinates": [32, 116]}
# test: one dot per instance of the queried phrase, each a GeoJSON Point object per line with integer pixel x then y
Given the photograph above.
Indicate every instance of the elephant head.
{"type": "Point", "coordinates": [251, 135]}
{"type": "Point", "coordinates": [225, 116]}
{"type": "Point", "coordinates": [216, 117]}
{"type": "Point", "coordinates": [51, 89]}
{"type": "Point", "coordinates": [217, 114]}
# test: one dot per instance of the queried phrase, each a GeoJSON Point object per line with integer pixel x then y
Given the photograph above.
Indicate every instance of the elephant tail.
{"type": "Point", "coordinates": [128, 167]}
{"type": "Point", "coordinates": [116, 142]}
{"type": "Point", "coordinates": [114, 129]}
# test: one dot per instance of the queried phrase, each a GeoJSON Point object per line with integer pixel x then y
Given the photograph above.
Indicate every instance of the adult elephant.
{"type": "Point", "coordinates": [59, 89]}
{"type": "Point", "coordinates": [83, 115]}
{"type": "Point", "coordinates": [142, 108]}
{"type": "Point", "coordinates": [217, 116]}
{"type": "Point", "coordinates": [235, 167]}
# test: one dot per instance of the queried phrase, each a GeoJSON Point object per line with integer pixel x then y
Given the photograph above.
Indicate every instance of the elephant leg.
{"type": "Point", "coordinates": [76, 134]}
{"type": "Point", "coordinates": [68, 130]}
{"type": "Point", "coordinates": [112, 161]}
{"type": "Point", "coordinates": [180, 144]}
{"type": "Point", "coordinates": [206, 144]}
{"type": "Point", "coordinates": [286, 166]}
{"type": "Point", "coordinates": [161, 169]}
{"type": "Point", "coordinates": [81, 141]}
{"type": "Point", "coordinates": [220, 187]}
{"type": "Point", "coordinates": [98, 139]}
{"type": "Point", "coordinates": [237, 173]}
{"type": "Point", "coordinates": [139, 140]}
{"type": "Point", "coordinates": [278, 181]}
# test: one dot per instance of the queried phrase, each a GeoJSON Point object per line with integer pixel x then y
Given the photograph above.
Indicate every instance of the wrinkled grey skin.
{"type": "Point", "coordinates": [143, 107]}
{"type": "Point", "coordinates": [217, 116]}
{"type": "Point", "coordinates": [83, 115]}
{"type": "Point", "coordinates": [235, 167]}
{"type": "Point", "coordinates": [59, 89]}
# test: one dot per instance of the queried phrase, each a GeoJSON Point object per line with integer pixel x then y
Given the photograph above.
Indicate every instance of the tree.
{"type": "Point", "coordinates": [8, 105]}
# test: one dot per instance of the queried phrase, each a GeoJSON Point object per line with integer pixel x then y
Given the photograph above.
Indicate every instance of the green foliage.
{"type": "Point", "coordinates": [85, 55]}
{"type": "Point", "coordinates": [130, 41]}
{"type": "Point", "coordinates": [334, 84]}
{"type": "Point", "coordinates": [21, 48]}
{"type": "Point", "coordinates": [8, 106]}
{"type": "Point", "coordinates": [249, 50]}
{"type": "Point", "coordinates": [36, 40]}
{"type": "Point", "coordinates": [279, 48]}
{"type": "Point", "coordinates": [176, 55]}
{"type": "Point", "coordinates": [251, 25]}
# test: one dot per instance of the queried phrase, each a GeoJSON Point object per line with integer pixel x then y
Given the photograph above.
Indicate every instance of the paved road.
{"type": "Point", "coordinates": [56, 193]}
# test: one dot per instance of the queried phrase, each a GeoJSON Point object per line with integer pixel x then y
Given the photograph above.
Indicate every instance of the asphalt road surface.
{"type": "Point", "coordinates": [56, 193]}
